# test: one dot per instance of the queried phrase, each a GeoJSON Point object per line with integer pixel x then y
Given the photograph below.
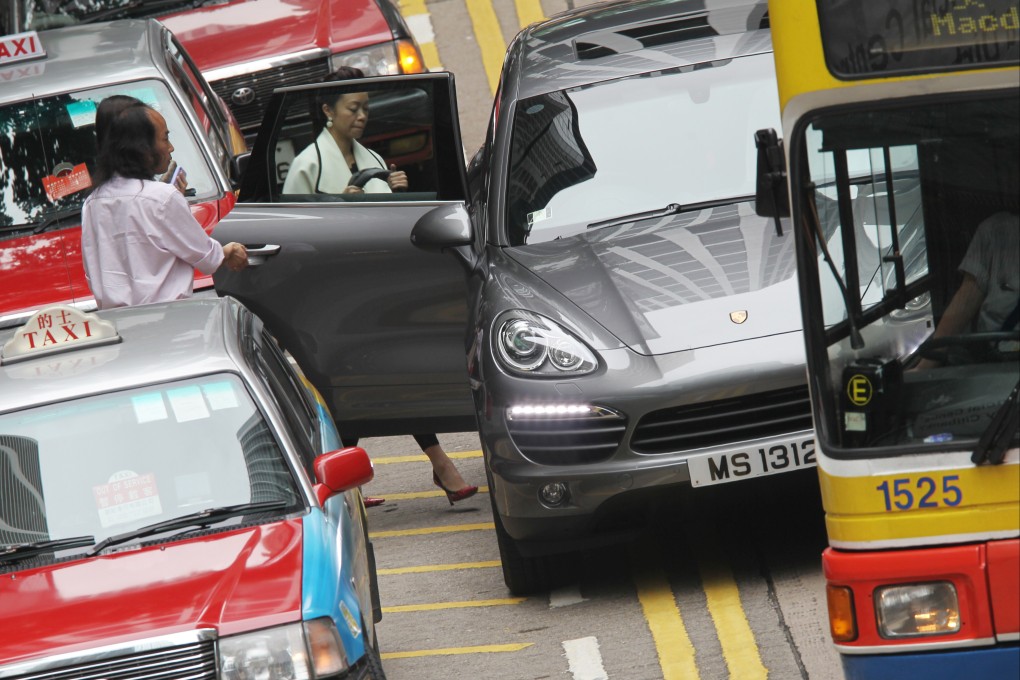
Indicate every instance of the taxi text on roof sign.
{"type": "Point", "coordinates": [57, 329]}
{"type": "Point", "coordinates": [19, 47]}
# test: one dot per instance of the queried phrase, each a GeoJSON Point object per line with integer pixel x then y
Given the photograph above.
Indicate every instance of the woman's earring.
{"type": "Point", "coordinates": [329, 122]}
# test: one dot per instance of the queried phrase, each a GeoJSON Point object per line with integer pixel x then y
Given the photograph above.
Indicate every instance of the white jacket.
{"type": "Point", "coordinates": [321, 169]}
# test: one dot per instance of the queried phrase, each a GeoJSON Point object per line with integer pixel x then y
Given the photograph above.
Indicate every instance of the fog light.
{"type": "Point", "coordinates": [842, 620]}
{"type": "Point", "coordinates": [553, 494]}
{"type": "Point", "coordinates": [917, 609]}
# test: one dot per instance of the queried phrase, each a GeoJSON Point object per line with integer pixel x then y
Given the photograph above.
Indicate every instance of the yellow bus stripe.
{"type": "Point", "coordinates": [448, 651]}
{"type": "Point", "coordinates": [489, 38]}
{"type": "Point", "coordinates": [422, 458]}
{"type": "Point", "coordinates": [465, 604]}
{"type": "Point", "coordinates": [676, 653]}
{"type": "Point", "coordinates": [528, 12]}
{"type": "Point", "coordinates": [739, 648]}
{"type": "Point", "coordinates": [453, 528]}
{"type": "Point", "coordinates": [427, 568]}
{"type": "Point", "coordinates": [411, 495]}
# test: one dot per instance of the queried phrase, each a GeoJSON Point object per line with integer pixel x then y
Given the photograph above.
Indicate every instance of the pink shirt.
{"type": "Point", "coordinates": [140, 244]}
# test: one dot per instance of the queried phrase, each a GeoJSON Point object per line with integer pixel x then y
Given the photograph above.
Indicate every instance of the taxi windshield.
{"type": "Point", "coordinates": [48, 149]}
{"type": "Point", "coordinates": [109, 464]}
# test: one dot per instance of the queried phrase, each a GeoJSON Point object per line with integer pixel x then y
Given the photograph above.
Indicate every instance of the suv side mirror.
{"type": "Point", "coordinates": [442, 228]}
{"type": "Point", "coordinates": [772, 197]}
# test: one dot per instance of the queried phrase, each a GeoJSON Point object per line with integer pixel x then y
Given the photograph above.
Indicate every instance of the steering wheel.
{"type": "Point", "coordinates": [362, 177]}
{"type": "Point", "coordinates": [957, 350]}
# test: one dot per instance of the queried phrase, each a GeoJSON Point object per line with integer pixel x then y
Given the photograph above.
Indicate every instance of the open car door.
{"type": "Point", "coordinates": [376, 324]}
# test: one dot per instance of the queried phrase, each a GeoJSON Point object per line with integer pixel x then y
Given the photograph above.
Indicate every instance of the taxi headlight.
{"type": "Point", "coordinates": [527, 343]}
{"type": "Point", "coordinates": [917, 609]}
{"type": "Point", "coordinates": [295, 651]}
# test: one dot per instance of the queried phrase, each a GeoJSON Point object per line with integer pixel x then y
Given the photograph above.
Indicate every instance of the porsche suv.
{"type": "Point", "coordinates": [608, 310]}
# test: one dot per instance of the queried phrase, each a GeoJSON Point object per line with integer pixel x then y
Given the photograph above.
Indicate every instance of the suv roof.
{"type": "Point", "coordinates": [191, 337]}
{"type": "Point", "coordinates": [627, 37]}
{"type": "Point", "coordinates": [82, 57]}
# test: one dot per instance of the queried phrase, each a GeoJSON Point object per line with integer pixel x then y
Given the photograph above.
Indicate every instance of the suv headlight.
{"type": "Point", "coordinates": [386, 59]}
{"type": "Point", "coordinates": [530, 344]}
{"type": "Point", "coordinates": [297, 651]}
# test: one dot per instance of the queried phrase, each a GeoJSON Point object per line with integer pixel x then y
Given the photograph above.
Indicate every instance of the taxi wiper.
{"type": "Point", "coordinates": [52, 218]}
{"type": "Point", "coordinates": [991, 448]}
{"type": "Point", "coordinates": [671, 209]}
{"type": "Point", "coordinates": [16, 552]}
{"type": "Point", "coordinates": [200, 519]}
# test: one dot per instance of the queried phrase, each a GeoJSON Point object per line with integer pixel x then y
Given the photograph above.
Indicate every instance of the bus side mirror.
{"type": "Point", "coordinates": [772, 198]}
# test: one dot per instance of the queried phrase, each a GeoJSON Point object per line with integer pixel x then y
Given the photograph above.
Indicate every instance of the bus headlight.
{"type": "Point", "coordinates": [297, 651]}
{"type": "Point", "coordinates": [917, 609]}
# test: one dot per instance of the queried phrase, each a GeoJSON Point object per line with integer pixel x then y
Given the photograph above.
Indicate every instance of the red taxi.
{"type": "Point", "coordinates": [52, 84]}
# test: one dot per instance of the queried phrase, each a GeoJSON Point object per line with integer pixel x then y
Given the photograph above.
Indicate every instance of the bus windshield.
{"type": "Point", "coordinates": [916, 208]}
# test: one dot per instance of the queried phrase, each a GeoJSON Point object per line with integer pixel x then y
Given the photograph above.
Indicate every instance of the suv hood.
{"type": "Point", "coordinates": [235, 581]}
{"type": "Point", "coordinates": [677, 282]}
{"type": "Point", "coordinates": [241, 31]}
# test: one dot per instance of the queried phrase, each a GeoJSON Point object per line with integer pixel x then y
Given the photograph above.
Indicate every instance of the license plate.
{"type": "Point", "coordinates": [768, 459]}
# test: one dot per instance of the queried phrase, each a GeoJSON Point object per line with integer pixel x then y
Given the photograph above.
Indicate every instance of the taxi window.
{"type": "Point", "coordinates": [392, 128]}
{"type": "Point", "coordinates": [108, 464]}
{"type": "Point", "coordinates": [291, 397]}
{"type": "Point", "coordinates": [48, 151]}
{"type": "Point", "coordinates": [203, 101]}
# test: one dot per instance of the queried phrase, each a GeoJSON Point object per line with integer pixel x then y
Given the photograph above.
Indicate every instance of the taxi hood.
{"type": "Point", "coordinates": [241, 31]}
{"type": "Point", "coordinates": [677, 282]}
{"type": "Point", "coordinates": [235, 581]}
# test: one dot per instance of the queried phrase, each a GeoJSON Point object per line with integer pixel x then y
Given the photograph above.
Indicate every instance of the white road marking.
{"type": "Point", "coordinates": [421, 27]}
{"type": "Point", "coordinates": [584, 659]}
{"type": "Point", "coordinates": [564, 597]}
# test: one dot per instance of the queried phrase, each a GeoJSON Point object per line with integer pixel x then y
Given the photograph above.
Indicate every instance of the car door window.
{"type": "Point", "coordinates": [392, 129]}
{"type": "Point", "coordinates": [291, 397]}
{"type": "Point", "coordinates": [203, 100]}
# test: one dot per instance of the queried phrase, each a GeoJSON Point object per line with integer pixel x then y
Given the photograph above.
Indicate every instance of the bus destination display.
{"type": "Point", "coordinates": [890, 37]}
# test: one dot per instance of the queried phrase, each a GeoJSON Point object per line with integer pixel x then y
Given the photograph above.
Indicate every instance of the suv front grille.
{"type": "Point", "coordinates": [568, 441]}
{"type": "Point", "coordinates": [716, 423]}
{"type": "Point", "coordinates": [249, 116]}
{"type": "Point", "coordinates": [195, 661]}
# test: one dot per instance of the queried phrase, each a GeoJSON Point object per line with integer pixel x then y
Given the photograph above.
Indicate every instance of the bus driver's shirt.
{"type": "Point", "coordinates": [320, 168]}
{"type": "Point", "coordinates": [141, 244]}
{"type": "Point", "coordinates": [992, 260]}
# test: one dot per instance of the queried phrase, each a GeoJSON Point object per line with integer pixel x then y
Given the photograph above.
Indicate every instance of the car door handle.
{"type": "Point", "coordinates": [257, 254]}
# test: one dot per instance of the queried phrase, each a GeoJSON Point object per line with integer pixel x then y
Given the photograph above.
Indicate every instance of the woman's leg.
{"type": "Point", "coordinates": [442, 465]}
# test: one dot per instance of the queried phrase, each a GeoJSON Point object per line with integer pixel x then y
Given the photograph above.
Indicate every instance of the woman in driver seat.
{"type": "Point", "coordinates": [327, 165]}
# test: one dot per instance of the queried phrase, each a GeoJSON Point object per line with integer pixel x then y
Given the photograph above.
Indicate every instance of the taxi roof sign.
{"type": "Point", "coordinates": [20, 47]}
{"type": "Point", "coordinates": [57, 329]}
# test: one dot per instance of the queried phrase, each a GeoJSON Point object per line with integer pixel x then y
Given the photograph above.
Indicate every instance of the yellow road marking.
{"type": "Point", "coordinates": [528, 12]}
{"type": "Point", "coordinates": [480, 649]}
{"type": "Point", "coordinates": [484, 526]}
{"type": "Point", "coordinates": [413, 7]}
{"type": "Point", "coordinates": [489, 38]}
{"type": "Point", "coordinates": [430, 54]}
{"type": "Point", "coordinates": [676, 653]}
{"type": "Point", "coordinates": [422, 458]}
{"type": "Point", "coordinates": [426, 568]}
{"type": "Point", "coordinates": [433, 606]}
{"type": "Point", "coordinates": [740, 650]}
{"type": "Point", "coordinates": [410, 495]}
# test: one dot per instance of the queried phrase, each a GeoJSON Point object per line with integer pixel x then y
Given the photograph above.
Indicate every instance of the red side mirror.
{"type": "Point", "coordinates": [338, 471]}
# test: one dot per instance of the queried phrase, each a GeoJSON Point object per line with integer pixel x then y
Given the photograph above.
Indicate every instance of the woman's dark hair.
{"type": "Point", "coordinates": [330, 97]}
{"type": "Point", "coordinates": [128, 144]}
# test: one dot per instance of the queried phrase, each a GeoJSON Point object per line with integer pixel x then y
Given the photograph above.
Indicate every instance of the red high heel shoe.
{"type": "Point", "coordinates": [454, 496]}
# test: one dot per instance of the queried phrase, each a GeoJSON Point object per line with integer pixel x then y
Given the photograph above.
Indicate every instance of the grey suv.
{"type": "Point", "coordinates": [628, 322]}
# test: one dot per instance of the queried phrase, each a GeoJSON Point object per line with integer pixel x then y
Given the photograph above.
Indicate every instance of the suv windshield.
{"type": "Point", "coordinates": [678, 136]}
{"type": "Point", "coordinates": [914, 330]}
{"type": "Point", "coordinates": [109, 464]}
{"type": "Point", "coordinates": [48, 147]}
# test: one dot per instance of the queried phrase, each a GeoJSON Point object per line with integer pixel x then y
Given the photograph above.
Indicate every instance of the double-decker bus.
{"type": "Point", "coordinates": [898, 164]}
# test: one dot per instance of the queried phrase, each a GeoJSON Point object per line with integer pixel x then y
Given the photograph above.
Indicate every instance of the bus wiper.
{"type": "Point", "coordinates": [991, 448]}
{"type": "Point", "coordinates": [671, 209]}
{"type": "Point", "coordinates": [16, 552]}
{"type": "Point", "coordinates": [52, 218]}
{"type": "Point", "coordinates": [200, 519]}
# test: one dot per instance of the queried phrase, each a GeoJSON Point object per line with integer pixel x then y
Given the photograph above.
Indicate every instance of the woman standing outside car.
{"type": "Point", "coordinates": [140, 242]}
{"type": "Point", "coordinates": [327, 165]}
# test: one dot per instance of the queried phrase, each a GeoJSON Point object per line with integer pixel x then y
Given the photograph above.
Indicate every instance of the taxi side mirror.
{"type": "Point", "coordinates": [238, 166]}
{"type": "Point", "coordinates": [341, 470]}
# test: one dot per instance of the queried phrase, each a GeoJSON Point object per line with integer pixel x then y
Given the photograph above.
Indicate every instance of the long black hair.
{"type": "Point", "coordinates": [127, 143]}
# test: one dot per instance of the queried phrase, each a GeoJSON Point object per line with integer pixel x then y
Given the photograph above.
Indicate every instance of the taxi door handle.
{"type": "Point", "coordinates": [257, 254]}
